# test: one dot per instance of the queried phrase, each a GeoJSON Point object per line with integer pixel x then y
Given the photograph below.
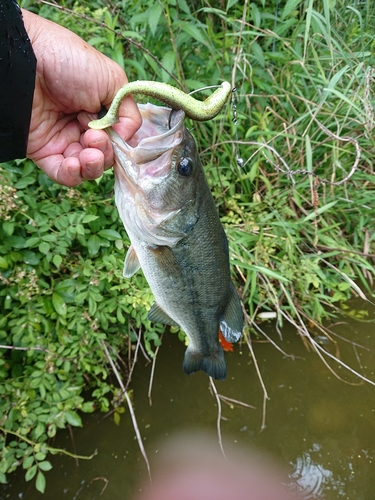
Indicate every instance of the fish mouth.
{"type": "Point", "coordinates": [161, 130]}
{"type": "Point", "coordinates": [148, 154]}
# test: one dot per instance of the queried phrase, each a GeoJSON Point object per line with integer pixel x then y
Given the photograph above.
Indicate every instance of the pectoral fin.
{"type": "Point", "coordinates": [157, 315]}
{"type": "Point", "coordinates": [231, 323]}
{"type": "Point", "coordinates": [131, 264]}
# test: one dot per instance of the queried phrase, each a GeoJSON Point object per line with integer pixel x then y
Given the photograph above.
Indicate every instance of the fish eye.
{"type": "Point", "coordinates": [185, 167]}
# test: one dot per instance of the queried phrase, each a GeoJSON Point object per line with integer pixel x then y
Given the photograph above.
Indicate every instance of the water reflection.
{"type": "Point", "coordinates": [311, 477]}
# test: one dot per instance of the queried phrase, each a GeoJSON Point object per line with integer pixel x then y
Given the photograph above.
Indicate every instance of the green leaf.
{"type": "Point", "coordinates": [45, 465]}
{"type": "Point", "coordinates": [28, 462]}
{"type": "Point", "coordinates": [39, 429]}
{"type": "Point", "coordinates": [88, 407]}
{"type": "Point", "coordinates": [153, 17]}
{"type": "Point", "coordinates": [3, 478]}
{"type": "Point", "coordinates": [93, 244]}
{"type": "Point", "coordinates": [231, 3]}
{"type": "Point", "coordinates": [109, 234]}
{"type": "Point", "coordinates": [31, 258]}
{"type": "Point", "coordinates": [44, 247]}
{"type": "Point", "coordinates": [319, 211]}
{"type": "Point", "coordinates": [51, 432]}
{"type": "Point", "coordinates": [73, 418]}
{"type": "Point", "coordinates": [8, 227]}
{"type": "Point", "coordinates": [260, 269]}
{"type": "Point", "coordinates": [194, 32]}
{"type": "Point", "coordinates": [3, 263]}
{"type": "Point", "coordinates": [40, 456]}
{"type": "Point", "coordinates": [40, 482]}
{"type": "Point", "coordinates": [25, 181]}
{"type": "Point", "coordinates": [59, 304]}
{"type": "Point", "coordinates": [32, 242]}
{"type": "Point", "coordinates": [80, 229]}
{"type": "Point", "coordinates": [16, 241]}
{"type": "Point", "coordinates": [57, 260]}
{"type": "Point", "coordinates": [30, 473]}
{"type": "Point", "coordinates": [89, 218]}
{"type": "Point", "coordinates": [290, 6]}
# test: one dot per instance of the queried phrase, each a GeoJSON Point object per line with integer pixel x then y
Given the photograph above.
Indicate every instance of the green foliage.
{"type": "Point", "coordinates": [62, 295]}
{"type": "Point", "coordinates": [300, 225]}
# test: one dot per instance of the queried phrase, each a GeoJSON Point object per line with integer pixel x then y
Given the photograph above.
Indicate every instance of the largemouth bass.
{"type": "Point", "coordinates": [176, 236]}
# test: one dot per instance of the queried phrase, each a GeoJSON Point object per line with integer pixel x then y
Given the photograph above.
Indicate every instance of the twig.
{"type": "Point", "coordinates": [49, 448]}
{"type": "Point", "coordinates": [134, 360]}
{"type": "Point", "coordinates": [141, 346]}
{"type": "Point", "coordinates": [213, 387]}
{"type": "Point", "coordinates": [152, 372]}
{"type": "Point", "coordinates": [230, 401]}
{"type": "Point", "coordinates": [73, 443]}
{"type": "Point", "coordinates": [265, 394]}
{"type": "Point", "coordinates": [301, 328]}
{"type": "Point", "coordinates": [131, 410]}
{"type": "Point", "coordinates": [101, 479]}
{"type": "Point", "coordinates": [14, 348]}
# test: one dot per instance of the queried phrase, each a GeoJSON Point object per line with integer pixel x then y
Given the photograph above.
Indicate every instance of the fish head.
{"type": "Point", "coordinates": [157, 176]}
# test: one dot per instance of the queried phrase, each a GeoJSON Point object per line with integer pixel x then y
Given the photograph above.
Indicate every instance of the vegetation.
{"type": "Point", "coordinates": [290, 166]}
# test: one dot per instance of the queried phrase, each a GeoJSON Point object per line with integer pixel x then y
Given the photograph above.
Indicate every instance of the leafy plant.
{"type": "Point", "coordinates": [62, 295]}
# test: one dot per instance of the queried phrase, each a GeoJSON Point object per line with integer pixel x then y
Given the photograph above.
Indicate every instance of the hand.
{"type": "Point", "coordinates": [73, 80]}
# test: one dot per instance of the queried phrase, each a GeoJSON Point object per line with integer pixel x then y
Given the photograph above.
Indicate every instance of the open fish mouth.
{"type": "Point", "coordinates": [161, 131]}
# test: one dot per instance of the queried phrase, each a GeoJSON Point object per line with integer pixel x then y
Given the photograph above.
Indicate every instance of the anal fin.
{"type": "Point", "coordinates": [231, 323]}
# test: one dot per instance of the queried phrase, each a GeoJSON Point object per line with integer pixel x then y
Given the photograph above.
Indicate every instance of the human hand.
{"type": "Point", "coordinates": [73, 81]}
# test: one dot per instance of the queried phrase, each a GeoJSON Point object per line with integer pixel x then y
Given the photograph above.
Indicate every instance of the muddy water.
{"type": "Point", "coordinates": [320, 428]}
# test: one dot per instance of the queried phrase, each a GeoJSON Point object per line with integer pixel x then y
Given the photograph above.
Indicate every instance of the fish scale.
{"type": "Point", "coordinates": [176, 236]}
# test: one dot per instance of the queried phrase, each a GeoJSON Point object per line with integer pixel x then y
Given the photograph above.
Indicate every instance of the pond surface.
{"type": "Point", "coordinates": [320, 428]}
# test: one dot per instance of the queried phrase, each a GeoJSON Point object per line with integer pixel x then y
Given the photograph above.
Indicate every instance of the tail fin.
{"type": "Point", "coordinates": [213, 364]}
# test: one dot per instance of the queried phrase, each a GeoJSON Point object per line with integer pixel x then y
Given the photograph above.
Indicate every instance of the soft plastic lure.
{"type": "Point", "coordinates": [173, 97]}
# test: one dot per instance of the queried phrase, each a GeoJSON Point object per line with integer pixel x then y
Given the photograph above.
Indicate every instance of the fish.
{"type": "Point", "coordinates": [176, 236]}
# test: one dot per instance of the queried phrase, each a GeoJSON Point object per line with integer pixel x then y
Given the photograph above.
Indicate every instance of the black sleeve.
{"type": "Point", "coordinates": [17, 80]}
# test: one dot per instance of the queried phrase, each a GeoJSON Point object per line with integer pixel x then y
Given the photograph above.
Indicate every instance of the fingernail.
{"type": "Point", "coordinates": [74, 171]}
{"type": "Point", "coordinates": [93, 168]}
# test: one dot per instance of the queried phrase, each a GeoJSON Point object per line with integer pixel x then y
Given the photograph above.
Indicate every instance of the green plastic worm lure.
{"type": "Point", "coordinates": [173, 97]}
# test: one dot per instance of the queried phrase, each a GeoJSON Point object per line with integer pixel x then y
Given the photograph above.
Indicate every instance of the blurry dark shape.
{"type": "Point", "coordinates": [192, 467]}
{"type": "Point", "coordinates": [17, 77]}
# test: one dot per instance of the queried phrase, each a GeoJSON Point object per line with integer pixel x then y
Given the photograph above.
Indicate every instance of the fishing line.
{"type": "Point", "coordinates": [204, 88]}
{"type": "Point", "coordinates": [240, 162]}
{"type": "Point", "coordinates": [233, 105]}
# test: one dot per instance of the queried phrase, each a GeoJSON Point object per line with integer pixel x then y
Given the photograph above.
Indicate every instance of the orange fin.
{"type": "Point", "coordinates": [227, 346]}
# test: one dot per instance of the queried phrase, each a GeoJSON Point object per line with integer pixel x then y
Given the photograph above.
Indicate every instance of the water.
{"type": "Point", "coordinates": [320, 428]}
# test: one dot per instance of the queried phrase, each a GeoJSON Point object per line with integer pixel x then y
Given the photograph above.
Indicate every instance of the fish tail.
{"type": "Point", "coordinates": [213, 364]}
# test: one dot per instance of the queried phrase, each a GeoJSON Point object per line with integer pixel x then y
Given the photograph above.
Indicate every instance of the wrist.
{"type": "Point", "coordinates": [32, 24]}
